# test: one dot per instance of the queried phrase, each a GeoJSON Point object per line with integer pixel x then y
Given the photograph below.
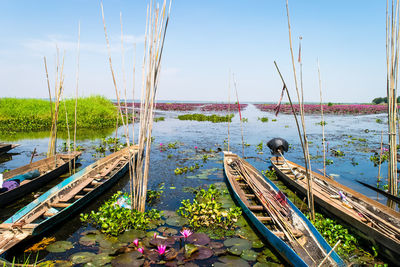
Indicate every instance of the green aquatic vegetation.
{"type": "Point", "coordinates": [94, 112]}
{"type": "Point", "coordinates": [376, 157]}
{"type": "Point", "coordinates": [322, 123]}
{"type": "Point", "coordinates": [269, 174]}
{"type": "Point", "coordinates": [273, 120]}
{"type": "Point", "coordinates": [153, 196]}
{"type": "Point", "coordinates": [159, 119]}
{"type": "Point", "coordinates": [328, 161]}
{"type": "Point", "coordinates": [64, 147]}
{"type": "Point", "coordinates": [259, 147]}
{"type": "Point", "coordinates": [113, 219]}
{"type": "Point", "coordinates": [337, 153]}
{"type": "Point", "coordinates": [263, 119]}
{"type": "Point", "coordinates": [245, 119]}
{"type": "Point", "coordinates": [207, 211]}
{"type": "Point", "coordinates": [378, 121]}
{"type": "Point", "coordinates": [201, 117]}
{"type": "Point", "coordinates": [332, 232]}
{"type": "Point", "coordinates": [183, 170]}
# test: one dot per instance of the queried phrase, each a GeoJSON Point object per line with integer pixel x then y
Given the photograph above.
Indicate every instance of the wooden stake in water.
{"type": "Point", "coordinates": [240, 114]}
{"type": "Point", "coordinates": [229, 104]}
{"type": "Point", "coordinates": [76, 91]}
{"type": "Point", "coordinates": [322, 116]}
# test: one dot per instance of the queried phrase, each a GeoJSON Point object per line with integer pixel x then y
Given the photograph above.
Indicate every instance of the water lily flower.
{"type": "Point", "coordinates": [161, 249]}
{"type": "Point", "coordinates": [155, 235]}
{"type": "Point", "coordinates": [136, 242]}
{"type": "Point", "coordinates": [161, 144]}
{"type": "Point", "coordinates": [140, 250]}
{"type": "Point", "coordinates": [195, 147]}
{"type": "Point", "coordinates": [186, 233]}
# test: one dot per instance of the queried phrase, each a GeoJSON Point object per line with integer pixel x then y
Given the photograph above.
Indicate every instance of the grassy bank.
{"type": "Point", "coordinates": [94, 112]}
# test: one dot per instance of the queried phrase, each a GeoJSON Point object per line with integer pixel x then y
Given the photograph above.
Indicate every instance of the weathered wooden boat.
{"type": "Point", "coordinates": [46, 170]}
{"type": "Point", "coordinates": [373, 220]}
{"type": "Point", "coordinates": [275, 217]}
{"type": "Point", "coordinates": [6, 147]}
{"type": "Point", "coordinates": [64, 199]}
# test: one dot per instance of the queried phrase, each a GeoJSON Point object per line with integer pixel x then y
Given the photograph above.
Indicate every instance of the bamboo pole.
{"type": "Point", "coordinates": [310, 196]}
{"type": "Point", "coordinates": [48, 86]}
{"type": "Point", "coordinates": [241, 122]}
{"type": "Point", "coordinates": [229, 105]}
{"type": "Point", "coordinates": [76, 91]}
{"type": "Point", "coordinates": [322, 117]}
{"type": "Point", "coordinates": [392, 57]}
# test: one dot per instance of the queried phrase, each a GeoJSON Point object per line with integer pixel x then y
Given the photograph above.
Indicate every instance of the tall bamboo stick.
{"type": "Point", "coordinates": [76, 90]}
{"type": "Point", "coordinates": [229, 105]}
{"type": "Point", "coordinates": [322, 116]}
{"type": "Point", "coordinates": [310, 196]}
{"type": "Point", "coordinates": [241, 122]}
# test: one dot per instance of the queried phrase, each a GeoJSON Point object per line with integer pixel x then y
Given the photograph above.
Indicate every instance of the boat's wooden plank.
{"type": "Point", "coordinates": [250, 195]}
{"type": "Point", "coordinates": [87, 189]}
{"type": "Point", "coordinates": [281, 234]}
{"type": "Point", "coordinates": [60, 205]}
{"type": "Point", "coordinates": [78, 196]}
{"type": "Point", "coordinates": [256, 208]}
{"type": "Point", "coordinates": [264, 219]}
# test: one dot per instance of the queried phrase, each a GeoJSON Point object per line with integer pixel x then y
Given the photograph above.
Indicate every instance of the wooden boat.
{"type": "Point", "coordinates": [373, 220]}
{"type": "Point", "coordinates": [47, 169]}
{"type": "Point", "coordinates": [6, 147]}
{"type": "Point", "coordinates": [275, 217]}
{"type": "Point", "coordinates": [64, 199]}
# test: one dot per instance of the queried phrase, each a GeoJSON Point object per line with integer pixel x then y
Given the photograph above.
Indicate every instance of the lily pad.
{"type": "Point", "coordinates": [219, 251]}
{"type": "Point", "coordinates": [257, 243]}
{"type": "Point", "coordinates": [237, 251]}
{"type": "Point", "coordinates": [231, 261]}
{"type": "Point", "coordinates": [169, 213]}
{"type": "Point", "coordinates": [88, 240]}
{"type": "Point", "coordinates": [100, 260]}
{"type": "Point", "coordinates": [238, 242]}
{"type": "Point", "coordinates": [130, 235]}
{"type": "Point", "coordinates": [216, 245]}
{"type": "Point", "coordinates": [152, 255]}
{"type": "Point", "coordinates": [199, 239]}
{"type": "Point", "coordinates": [134, 258]}
{"type": "Point", "coordinates": [171, 254]}
{"type": "Point", "coordinates": [241, 222]}
{"type": "Point", "coordinates": [176, 221]}
{"type": "Point", "coordinates": [203, 253]}
{"type": "Point", "coordinates": [151, 234]}
{"type": "Point", "coordinates": [162, 241]}
{"type": "Point", "coordinates": [167, 230]}
{"type": "Point", "coordinates": [249, 255]}
{"type": "Point", "coordinates": [82, 257]}
{"type": "Point", "coordinates": [190, 249]}
{"type": "Point", "coordinates": [59, 246]}
{"type": "Point", "coordinates": [55, 263]}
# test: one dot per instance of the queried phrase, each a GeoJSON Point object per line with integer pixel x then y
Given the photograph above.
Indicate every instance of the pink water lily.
{"type": "Point", "coordinates": [140, 250]}
{"type": "Point", "coordinates": [136, 242]}
{"type": "Point", "coordinates": [161, 249]}
{"type": "Point", "coordinates": [195, 147]}
{"type": "Point", "coordinates": [186, 233]}
{"type": "Point", "coordinates": [155, 235]}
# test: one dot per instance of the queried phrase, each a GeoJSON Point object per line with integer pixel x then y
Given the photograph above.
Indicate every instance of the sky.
{"type": "Point", "coordinates": [205, 41]}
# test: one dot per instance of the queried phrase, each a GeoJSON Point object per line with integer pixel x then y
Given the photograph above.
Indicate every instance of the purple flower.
{"type": "Point", "coordinates": [161, 249]}
{"type": "Point", "coordinates": [186, 233]}
{"type": "Point", "coordinates": [136, 242]}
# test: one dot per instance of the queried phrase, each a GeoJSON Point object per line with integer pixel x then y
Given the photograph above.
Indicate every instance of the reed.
{"type": "Point", "coordinates": [310, 196]}
{"type": "Point", "coordinates": [76, 91]}
{"type": "Point", "coordinates": [392, 58]}
{"type": "Point", "coordinates": [322, 117]}
{"type": "Point", "coordinates": [156, 26]}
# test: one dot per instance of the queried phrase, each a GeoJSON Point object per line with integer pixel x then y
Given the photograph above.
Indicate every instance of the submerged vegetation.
{"type": "Point", "coordinates": [95, 112]}
{"type": "Point", "coordinates": [201, 117]}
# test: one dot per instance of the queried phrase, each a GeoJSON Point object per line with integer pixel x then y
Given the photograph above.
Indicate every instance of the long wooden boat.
{"type": "Point", "coordinates": [47, 169]}
{"type": "Point", "coordinates": [64, 199]}
{"type": "Point", "coordinates": [275, 217]}
{"type": "Point", "coordinates": [6, 147]}
{"type": "Point", "coordinates": [373, 220]}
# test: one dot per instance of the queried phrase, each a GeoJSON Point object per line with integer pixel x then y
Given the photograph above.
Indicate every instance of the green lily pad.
{"type": "Point", "coordinates": [249, 255]}
{"type": "Point", "coordinates": [237, 251]}
{"type": "Point", "coordinates": [269, 264]}
{"type": "Point", "coordinates": [100, 260]}
{"type": "Point", "coordinates": [82, 257]}
{"type": "Point", "coordinates": [237, 242]}
{"type": "Point", "coordinates": [167, 230]}
{"type": "Point", "coordinates": [171, 254]}
{"type": "Point", "coordinates": [232, 261]}
{"type": "Point", "coordinates": [241, 222]}
{"type": "Point", "coordinates": [219, 251]}
{"type": "Point", "coordinates": [190, 249]}
{"type": "Point", "coordinates": [88, 240]}
{"type": "Point", "coordinates": [216, 245]}
{"type": "Point", "coordinates": [55, 263]}
{"type": "Point", "coordinates": [130, 235]}
{"type": "Point", "coordinates": [169, 213]}
{"type": "Point", "coordinates": [131, 259]}
{"type": "Point", "coordinates": [248, 233]}
{"type": "Point", "coordinates": [267, 256]}
{"type": "Point", "coordinates": [203, 253]}
{"type": "Point", "coordinates": [59, 246]}
{"type": "Point", "coordinates": [176, 221]}
{"type": "Point", "coordinates": [257, 244]}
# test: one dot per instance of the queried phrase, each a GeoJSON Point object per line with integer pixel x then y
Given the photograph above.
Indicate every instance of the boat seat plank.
{"type": "Point", "coordinates": [60, 205]}
{"type": "Point", "coordinates": [296, 233]}
{"type": "Point", "coordinates": [264, 219]}
{"type": "Point", "coordinates": [78, 196]}
{"type": "Point", "coordinates": [256, 208]}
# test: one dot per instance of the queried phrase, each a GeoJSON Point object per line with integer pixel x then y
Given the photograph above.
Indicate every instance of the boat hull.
{"type": "Point", "coordinates": [389, 247]}
{"type": "Point", "coordinates": [19, 192]}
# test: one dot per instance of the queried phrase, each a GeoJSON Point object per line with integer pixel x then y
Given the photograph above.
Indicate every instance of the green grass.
{"type": "Point", "coordinates": [18, 115]}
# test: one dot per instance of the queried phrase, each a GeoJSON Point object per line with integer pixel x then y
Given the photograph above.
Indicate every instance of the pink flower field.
{"type": "Point", "coordinates": [354, 109]}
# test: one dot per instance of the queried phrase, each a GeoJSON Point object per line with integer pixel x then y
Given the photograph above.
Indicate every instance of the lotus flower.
{"type": "Point", "coordinates": [195, 147]}
{"type": "Point", "coordinates": [186, 233]}
{"type": "Point", "coordinates": [136, 242]}
{"type": "Point", "coordinates": [140, 250]}
{"type": "Point", "coordinates": [155, 235]}
{"type": "Point", "coordinates": [161, 249]}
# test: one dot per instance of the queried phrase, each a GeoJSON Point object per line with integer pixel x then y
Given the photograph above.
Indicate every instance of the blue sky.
{"type": "Point", "coordinates": [204, 40]}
